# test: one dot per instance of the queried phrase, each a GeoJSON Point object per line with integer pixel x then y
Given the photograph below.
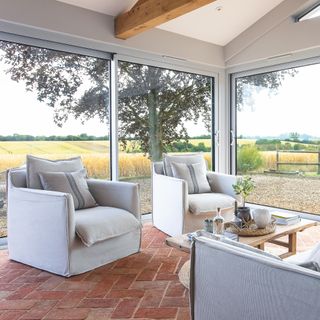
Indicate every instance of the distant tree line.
{"type": "Point", "coordinates": [277, 144]}
{"type": "Point", "coordinates": [181, 146]}
{"type": "Point", "coordinates": [27, 137]}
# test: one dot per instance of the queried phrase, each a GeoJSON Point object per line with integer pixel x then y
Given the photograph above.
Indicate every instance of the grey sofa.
{"type": "Point", "coordinates": [232, 283]}
{"type": "Point", "coordinates": [42, 225]}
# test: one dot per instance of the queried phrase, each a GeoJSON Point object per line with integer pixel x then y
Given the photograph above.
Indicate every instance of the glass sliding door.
{"type": "Point", "coordinates": [54, 105]}
{"type": "Point", "coordinates": [160, 111]}
{"type": "Point", "coordinates": [278, 136]}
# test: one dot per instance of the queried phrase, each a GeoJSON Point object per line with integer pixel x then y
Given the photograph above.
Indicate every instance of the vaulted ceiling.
{"type": "Point", "coordinates": [218, 23]}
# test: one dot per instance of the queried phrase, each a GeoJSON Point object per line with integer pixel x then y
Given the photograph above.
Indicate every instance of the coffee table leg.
{"type": "Point", "coordinates": [261, 246]}
{"type": "Point", "coordinates": [292, 243]}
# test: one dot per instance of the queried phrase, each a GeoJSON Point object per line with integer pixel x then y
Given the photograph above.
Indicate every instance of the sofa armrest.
{"type": "Point", "coordinates": [123, 195]}
{"type": "Point", "coordinates": [222, 183]}
{"type": "Point", "coordinates": [170, 203]}
{"type": "Point", "coordinates": [41, 227]}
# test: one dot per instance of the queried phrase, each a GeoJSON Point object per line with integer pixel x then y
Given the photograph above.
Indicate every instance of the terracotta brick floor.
{"type": "Point", "coordinates": [142, 286]}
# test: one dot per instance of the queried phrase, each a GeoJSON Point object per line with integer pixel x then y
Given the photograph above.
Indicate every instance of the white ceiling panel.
{"type": "Point", "coordinates": [218, 23]}
{"type": "Point", "coordinates": [221, 21]}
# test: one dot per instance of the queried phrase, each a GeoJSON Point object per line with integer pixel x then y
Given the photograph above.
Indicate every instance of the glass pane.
{"type": "Point", "coordinates": [54, 105]}
{"type": "Point", "coordinates": [278, 137]}
{"type": "Point", "coordinates": [160, 111]}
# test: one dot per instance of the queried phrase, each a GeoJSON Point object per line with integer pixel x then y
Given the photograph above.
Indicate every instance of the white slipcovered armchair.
{"type": "Point", "coordinates": [176, 212]}
{"type": "Point", "coordinates": [42, 225]}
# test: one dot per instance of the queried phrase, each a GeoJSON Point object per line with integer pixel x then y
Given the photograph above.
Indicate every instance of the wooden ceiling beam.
{"type": "Point", "coordinates": [148, 14]}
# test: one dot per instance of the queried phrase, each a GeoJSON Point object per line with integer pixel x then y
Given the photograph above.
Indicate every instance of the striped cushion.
{"type": "Point", "coordinates": [188, 158]}
{"type": "Point", "coordinates": [194, 174]}
{"type": "Point", "coordinates": [69, 182]}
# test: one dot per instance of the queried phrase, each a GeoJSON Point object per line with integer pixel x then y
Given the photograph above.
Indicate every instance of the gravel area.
{"type": "Point", "coordinates": [291, 192]}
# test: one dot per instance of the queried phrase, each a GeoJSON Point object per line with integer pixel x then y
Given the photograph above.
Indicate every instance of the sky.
{"type": "Point", "coordinates": [296, 107]}
{"type": "Point", "coordinates": [22, 113]}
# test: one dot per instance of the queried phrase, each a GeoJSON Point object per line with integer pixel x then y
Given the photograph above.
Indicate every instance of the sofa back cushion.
{"type": "Point", "coordinates": [70, 182]}
{"type": "Point", "coordinates": [36, 165]}
{"type": "Point", "coordinates": [185, 158]}
{"type": "Point", "coordinates": [194, 174]}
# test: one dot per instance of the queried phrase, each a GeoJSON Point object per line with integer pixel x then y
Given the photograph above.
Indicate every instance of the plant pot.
{"type": "Point", "coordinates": [243, 213]}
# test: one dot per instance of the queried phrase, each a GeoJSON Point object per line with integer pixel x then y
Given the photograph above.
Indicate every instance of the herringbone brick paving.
{"type": "Point", "coordinates": [142, 286]}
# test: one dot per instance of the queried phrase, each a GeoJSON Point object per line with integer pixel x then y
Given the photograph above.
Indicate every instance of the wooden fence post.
{"type": "Point", "coordinates": [319, 161]}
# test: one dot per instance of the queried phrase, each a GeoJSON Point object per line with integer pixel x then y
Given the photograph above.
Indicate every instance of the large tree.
{"type": "Point", "coordinates": [155, 104]}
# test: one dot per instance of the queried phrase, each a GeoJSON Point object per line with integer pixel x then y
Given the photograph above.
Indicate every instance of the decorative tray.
{"type": "Point", "coordinates": [250, 229]}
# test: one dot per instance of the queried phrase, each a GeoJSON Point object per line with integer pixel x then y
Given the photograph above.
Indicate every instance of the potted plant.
{"type": "Point", "coordinates": [244, 187]}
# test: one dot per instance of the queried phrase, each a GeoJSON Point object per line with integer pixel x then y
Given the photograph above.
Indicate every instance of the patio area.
{"type": "Point", "coordinates": [142, 286]}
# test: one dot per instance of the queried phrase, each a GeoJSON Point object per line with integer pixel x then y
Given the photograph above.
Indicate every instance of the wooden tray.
{"type": "Point", "coordinates": [250, 229]}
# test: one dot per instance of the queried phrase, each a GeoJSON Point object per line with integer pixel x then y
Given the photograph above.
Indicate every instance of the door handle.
{"type": "Point", "coordinates": [232, 138]}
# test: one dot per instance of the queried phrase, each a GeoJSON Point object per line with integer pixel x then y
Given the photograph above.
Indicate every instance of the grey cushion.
{"type": "Point", "coordinates": [207, 202]}
{"type": "Point", "coordinates": [194, 174]}
{"type": "Point", "coordinates": [102, 223]}
{"type": "Point", "coordinates": [36, 165]}
{"type": "Point", "coordinates": [69, 182]}
{"type": "Point", "coordinates": [185, 158]}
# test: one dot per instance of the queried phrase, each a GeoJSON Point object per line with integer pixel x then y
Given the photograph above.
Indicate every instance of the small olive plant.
{"type": "Point", "coordinates": [244, 187]}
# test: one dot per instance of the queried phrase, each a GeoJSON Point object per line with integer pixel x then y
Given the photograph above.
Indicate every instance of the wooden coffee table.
{"type": "Point", "coordinates": [182, 242]}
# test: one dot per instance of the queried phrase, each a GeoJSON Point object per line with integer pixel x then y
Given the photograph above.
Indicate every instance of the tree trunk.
{"type": "Point", "coordinates": [155, 136]}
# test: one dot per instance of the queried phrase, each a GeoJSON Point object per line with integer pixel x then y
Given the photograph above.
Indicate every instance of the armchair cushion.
{"type": "Point", "coordinates": [70, 182]}
{"type": "Point", "coordinates": [207, 202]}
{"type": "Point", "coordinates": [36, 165]}
{"type": "Point", "coordinates": [185, 158]}
{"type": "Point", "coordinates": [194, 174]}
{"type": "Point", "coordinates": [101, 223]}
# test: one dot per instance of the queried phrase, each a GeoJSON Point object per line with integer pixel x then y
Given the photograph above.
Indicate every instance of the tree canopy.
{"type": "Point", "coordinates": [155, 104]}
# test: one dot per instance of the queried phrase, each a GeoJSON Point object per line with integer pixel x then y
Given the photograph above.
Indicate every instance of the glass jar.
{"type": "Point", "coordinates": [218, 223]}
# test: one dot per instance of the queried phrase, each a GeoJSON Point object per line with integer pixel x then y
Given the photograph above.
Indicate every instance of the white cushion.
{"type": "Point", "coordinates": [184, 158]}
{"type": "Point", "coordinates": [194, 174]}
{"type": "Point", "coordinates": [36, 165]}
{"type": "Point", "coordinates": [207, 202]}
{"type": "Point", "coordinates": [101, 223]}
